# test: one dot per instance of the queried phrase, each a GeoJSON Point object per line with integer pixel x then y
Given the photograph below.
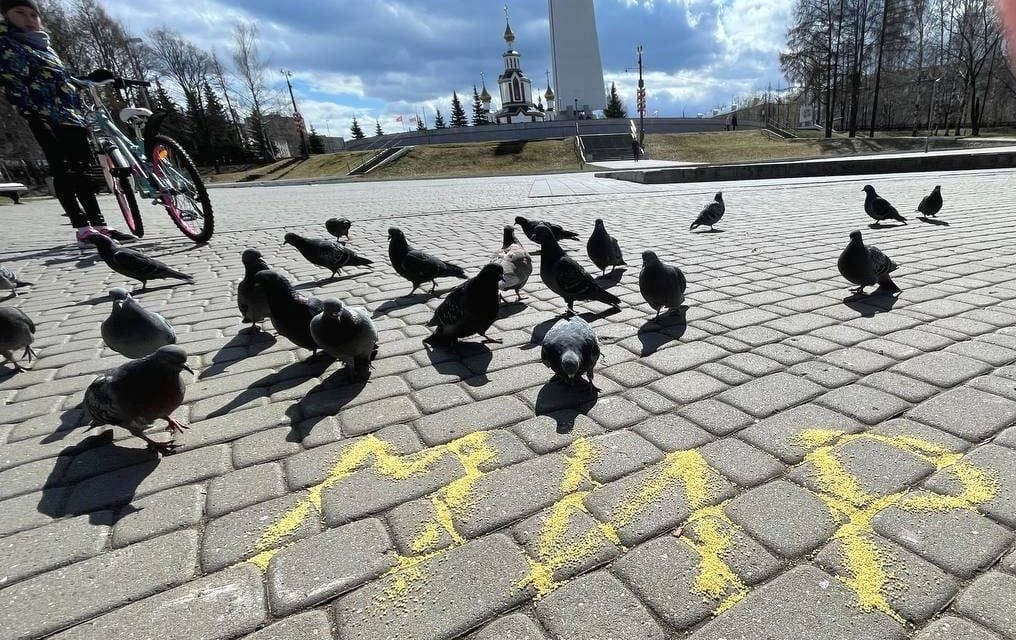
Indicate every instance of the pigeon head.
{"type": "Point", "coordinates": [250, 256]}
{"type": "Point", "coordinates": [599, 223]}
{"type": "Point", "coordinates": [544, 235]}
{"type": "Point", "coordinates": [172, 357]}
{"type": "Point", "coordinates": [491, 272]}
{"type": "Point", "coordinates": [273, 281]}
{"type": "Point", "coordinates": [938, 187]}
{"type": "Point", "coordinates": [101, 242]}
{"type": "Point", "coordinates": [118, 294]}
{"type": "Point", "coordinates": [509, 235]}
{"type": "Point", "coordinates": [649, 257]}
{"type": "Point", "coordinates": [718, 197]}
{"type": "Point", "coordinates": [870, 190]}
{"type": "Point", "coordinates": [331, 307]}
{"type": "Point", "coordinates": [855, 236]}
{"type": "Point", "coordinates": [570, 363]}
{"type": "Point", "coordinates": [522, 222]}
{"type": "Point", "coordinates": [293, 239]}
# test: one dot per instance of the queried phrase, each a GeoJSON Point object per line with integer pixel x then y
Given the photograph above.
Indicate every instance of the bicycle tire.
{"type": "Point", "coordinates": [134, 222]}
{"type": "Point", "coordinates": [194, 183]}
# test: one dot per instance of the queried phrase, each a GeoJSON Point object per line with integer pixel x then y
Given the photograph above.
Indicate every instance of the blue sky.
{"type": "Point", "coordinates": [381, 58]}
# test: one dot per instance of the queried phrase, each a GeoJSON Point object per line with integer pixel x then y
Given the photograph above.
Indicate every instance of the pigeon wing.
{"type": "Point", "coordinates": [420, 266]}
{"type": "Point", "coordinates": [572, 278]}
{"type": "Point", "coordinates": [880, 262]}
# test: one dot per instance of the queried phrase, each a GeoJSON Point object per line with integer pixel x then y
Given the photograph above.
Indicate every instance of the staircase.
{"type": "Point", "coordinates": [382, 157]}
{"type": "Point", "coordinates": [606, 146]}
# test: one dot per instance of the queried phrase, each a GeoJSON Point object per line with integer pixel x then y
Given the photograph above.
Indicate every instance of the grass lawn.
{"type": "Point", "coordinates": [327, 164]}
{"type": "Point", "coordinates": [483, 158]}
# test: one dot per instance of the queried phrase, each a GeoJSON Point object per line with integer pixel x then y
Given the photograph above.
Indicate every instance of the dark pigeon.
{"type": "Point", "coordinates": [326, 253]}
{"type": "Point", "coordinates": [565, 277]}
{"type": "Point", "coordinates": [346, 334]}
{"type": "Point", "coordinates": [418, 266]}
{"type": "Point", "coordinates": [515, 263]}
{"type": "Point", "coordinates": [711, 214]}
{"type": "Point", "coordinates": [470, 308]}
{"type": "Point", "coordinates": [529, 228]}
{"type": "Point", "coordinates": [136, 394]}
{"type": "Point", "coordinates": [133, 263]}
{"type": "Point", "coordinates": [338, 227]}
{"type": "Point", "coordinates": [571, 349]}
{"type": "Point", "coordinates": [133, 331]}
{"type": "Point", "coordinates": [662, 285]}
{"type": "Point", "coordinates": [931, 204]}
{"type": "Point", "coordinates": [250, 296]}
{"type": "Point", "coordinates": [291, 311]}
{"type": "Point", "coordinates": [17, 331]}
{"type": "Point", "coordinates": [866, 265]}
{"type": "Point", "coordinates": [603, 249]}
{"type": "Point", "coordinates": [10, 281]}
{"type": "Point", "coordinates": [878, 208]}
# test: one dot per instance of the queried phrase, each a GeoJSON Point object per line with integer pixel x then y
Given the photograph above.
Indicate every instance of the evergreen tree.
{"type": "Point", "coordinates": [314, 141]}
{"type": "Point", "coordinates": [377, 130]}
{"type": "Point", "coordinates": [420, 126]}
{"type": "Point", "coordinates": [356, 131]}
{"type": "Point", "coordinates": [223, 144]}
{"type": "Point", "coordinates": [197, 141]}
{"type": "Point", "coordinates": [439, 122]}
{"type": "Point", "coordinates": [458, 118]}
{"type": "Point", "coordinates": [175, 124]}
{"type": "Point", "coordinates": [615, 108]}
{"type": "Point", "coordinates": [479, 117]}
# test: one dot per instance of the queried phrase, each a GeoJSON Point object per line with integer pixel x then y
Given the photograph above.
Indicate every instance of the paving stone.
{"type": "Point", "coordinates": [920, 339]}
{"type": "Point", "coordinates": [911, 390]}
{"type": "Point", "coordinates": [18, 411]}
{"type": "Point", "coordinates": [63, 542]}
{"type": "Point", "coordinates": [368, 418]}
{"type": "Point", "coordinates": [311, 467]}
{"type": "Point", "coordinates": [325, 565]}
{"type": "Point", "coordinates": [32, 510]}
{"type": "Point", "coordinates": [889, 349]}
{"type": "Point", "coordinates": [649, 400]}
{"type": "Point", "coordinates": [752, 364]}
{"type": "Point", "coordinates": [716, 417]}
{"type": "Point", "coordinates": [953, 628]}
{"type": "Point", "coordinates": [877, 468]}
{"type": "Point", "coordinates": [516, 626]}
{"type": "Point", "coordinates": [243, 488]}
{"type": "Point", "coordinates": [54, 600]}
{"type": "Point", "coordinates": [460, 589]}
{"type": "Point", "coordinates": [824, 374]}
{"type": "Point", "coordinates": [740, 462]}
{"type": "Point", "coordinates": [811, 604]}
{"type": "Point", "coordinates": [310, 625]}
{"type": "Point", "coordinates": [967, 413]}
{"type": "Point", "coordinates": [961, 542]}
{"type": "Point", "coordinates": [723, 373]}
{"type": "Point", "coordinates": [448, 425]}
{"type": "Point", "coordinates": [842, 334]}
{"type": "Point", "coordinates": [615, 412]}
{"type": "Point", "coordinates": [440, 397]}
{"type": "Point", "coordinates": [998, 461]}
{"type": "Point", "coordinates": [631, 374]}
{"type": "Point", "coordinates": [779, 434]}
{"type": "Point", "coordinates": [864, 404]}
{"type": "Point", "coordinates": [909, 428]}
{"type": "Point", "coordinates": [786, 518]}
{"type": "Point", "coordinates": [683, 357]}
{"type": "Point", "coordinates": [800, 323]}
{"type": "Point", "coordinates": [620, 453]}
{"type": "Point", "coordinates": [234, 425]}
{"type": "Point", "coordinates": [994, 355]}
{"type": "Point", "coordinates": [942, 369]}
{"type": "Point", "coordinates": [565, 540]}
{"type": "Point", "coordinates": [555, 430]}
{"type": "Point", "coordinates": [784, 354]}
{"type": "Point", "coordinates": [813, 344]}
{"type": "Point", "coordinates": [264, 446]}
{"type": "Point", "coordinates": [988, 601]}
{"type": "Point", "coordinates": [159, 513]}
{"type": "Point", "coordinates": [597, 606]}
{"type": "Point", "coordinates": [672, 433]}
{"type": "Point", "coordinates": [766, 396]}
{"type": "Point", "coordinates": [858, 360]}
{"type": "Point", "coordinates": [32, 476]}
{"type": "Point", "coordinates": [217, 607]}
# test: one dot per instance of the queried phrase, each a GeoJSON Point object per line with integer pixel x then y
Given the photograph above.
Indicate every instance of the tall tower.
{"type": "Point", "coordinates": [575, 52]}
{"type": "Point", "coordinates": [516, 89]}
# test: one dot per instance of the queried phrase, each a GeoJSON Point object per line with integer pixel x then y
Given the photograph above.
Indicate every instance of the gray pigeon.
{"type": "Point", "coordinates": [139, 392]}
{"type": "Point", "coordinates": [564, 276]}
{"type": "Point", "coordinates": [326, 253]}
{"type": "Point", "coordinates": [515, 263]}
{"type": "Point", "coordinates": [931, 204]}
{"type": "Point", "coordinates": [711, 214]}
{"type": "Point", "coordinates": [866, 265]}
{"type": "Point", "coordinates": [17, 331]}
{"type": "Point", "coordinates": [878, 208]}
{"type": "Point", "coordinates": [338, 227]}
{"type": "Point", "coordinates": [571, 349]}
{"type": "Point", "coordinates": [662, 285]}
{"type": "Point", "coordinates": [10, 281]}
{"type": "Point", "coordinates": [250, 296]}
{"type": "Point", "coordinates": [603, 249]}
{"type": "Point", "coordinates": [133, 331]}
{"type": "Point", "coordinates": [529, 228]}
{"type": "Point", "coordinates": [133, 263]}
{"type": "Point", "coordinates": [291, 311]}
{"type": "Point", "coordinates": [470, 308]}
{"type": "Point", "coordinates": [418, 266]}
{"type": "Point", "coordinates": [346, 334]}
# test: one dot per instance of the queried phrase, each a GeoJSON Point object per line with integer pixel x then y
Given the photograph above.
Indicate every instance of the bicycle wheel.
{"type": "Point", "coordinates": [124, 191]}
{"type": "Point", "coordinates": [186, 199]}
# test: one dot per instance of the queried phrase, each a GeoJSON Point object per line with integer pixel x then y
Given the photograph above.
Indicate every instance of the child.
{"type": "Point", "coordinates": [37, 84]}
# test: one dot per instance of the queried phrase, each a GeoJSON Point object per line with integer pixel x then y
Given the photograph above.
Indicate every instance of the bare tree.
{"type": "Point", "coordinates": [178, 59]}
{"type": "Point", "coordinates": [226, 90]}
{"type": "Point", "coordinates": [250, 68]}
{"type": "Point", "coordinates": [977, 36]}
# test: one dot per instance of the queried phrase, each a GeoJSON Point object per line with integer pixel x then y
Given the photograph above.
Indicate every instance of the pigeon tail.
{"type": "Point", "coordinates": [568, 235]}
{"type": "Point", "coordinates": [359, 261]}
{"type": "Point", "coordinates": [450, 270]}
{"type": "Point", "coordinates": [179, 275]}
{"type": "Point", "coordinates": [606, 297]}
{"type": "Point", "coordinates": [694, 226]}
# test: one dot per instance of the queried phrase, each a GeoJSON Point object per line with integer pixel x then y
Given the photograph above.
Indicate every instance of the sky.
{"type": "Point", "coordinates": [379, 59]}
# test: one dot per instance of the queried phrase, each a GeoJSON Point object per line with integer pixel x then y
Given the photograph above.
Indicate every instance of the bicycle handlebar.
{"type": "Point", "coordinates": [119, 83]}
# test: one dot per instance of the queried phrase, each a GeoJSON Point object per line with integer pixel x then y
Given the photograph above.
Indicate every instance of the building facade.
{"type": "Point", "coordinates": [516, 89]}
{"type": "Point", "coordinates": [575, 55]}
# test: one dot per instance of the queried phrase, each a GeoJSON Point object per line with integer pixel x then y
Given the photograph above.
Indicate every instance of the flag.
{"type": "Point", "coordinates": [413, 119]}
{"type": "Point", "coordinates": [398, 118]}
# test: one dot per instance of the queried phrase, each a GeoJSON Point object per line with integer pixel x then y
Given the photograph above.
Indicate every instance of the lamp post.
{"type": "Point", "coordinates": [137, 67]}
{"type": "Point", "coordinates": [931, 106]}
{"type": "Point", "coordinates": [296, 115]}
{"type": "Point", "coordinates": [642, 103]}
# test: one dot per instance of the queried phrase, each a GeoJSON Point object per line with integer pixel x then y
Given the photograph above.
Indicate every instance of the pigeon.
{"type": "Point", "coordinates": [338, 227]}
{"type": "Point", "coordinates": [17, 331]}
{"type": "Point", "coordinates": [418, 266]}
{"type": "Point", "coordinates": [326, 253]}
{"type": "Point", "coordinates": [564, 276]}
{"type": "Point", "coordinates": [662, 285]}
{"type": "Point", "coordinates": [250, 296]}
{"type": "Point", "coordinates": [878, 208]}
{"type": "Point", "coordinates": [469, 308]}
{"type": "Point", "coordinates": [711, 214]}
{"type": "Point", "coordinates": [133, 263]}
{"type": "Point", "coordinates": [139, 392]}
{"type": "Point", "coordinates": [515, 262]}
{"type": "Point", "coordinates": [603, 249]}
{"type": "Point", "coordinates": [931, 204]}
{"type": "Point", "coordinates": [529, 228]}
{"type": "Point", "coordinates": [571, 349]}
{"type": "Point", "coordinates": [10, 281]}
{"type": "Point", "coordinates": [866, 265]}
{"type": "Point", "coordinates": [346, 334]}
{"type": "Point", "coordinates": [133, 331]}
{"type": "Point", "coordinates": [291, 312]}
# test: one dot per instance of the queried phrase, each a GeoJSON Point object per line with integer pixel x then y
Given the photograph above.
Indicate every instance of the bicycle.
{"type": "Point", "coordinates": [151, 164]}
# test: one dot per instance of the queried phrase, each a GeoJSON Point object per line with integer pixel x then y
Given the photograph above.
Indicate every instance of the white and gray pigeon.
{"type": "Point", "coordinates": [338, 227]}
{"type": "Point", "coordinates": [326, 253]}
{"type": "Point", "coordinates": [878, 208]}
{"type": "Point", "coordinates": [866, 265]}
{"type": "Point", "coordinates": [417, 265]}
{"type": "Point", "coordinates": [250, 296]}
{"type": "Point", "coordinates": [139, 392]}
{"type": "Point", "coordinates": [347, 334]}
{"type": "Point", "coordinates": [133, 331]}
{"type": "Point", "coordinates": [290, 310]}
{"type": "Point", "coordinates": [711, 214]}
{"type": "Point", "coordinates": [10, 281]}
{"type": "Point", "coordinates": [468, 309]}
{"type": "Point", "coordinates": [515, 263]}
{"type": "Point", "coordinates": [603, 249]}
{"type": "Point", "coordinates": [662, 285]}
{"type": "Point", "coordinates": [133, 263]}
{"type": "Point", "coordinates": [571, 349]}
{"type": "Point", "coordinates": [17, 331]}
{"type": "Point", "coordinates": [931, 204]}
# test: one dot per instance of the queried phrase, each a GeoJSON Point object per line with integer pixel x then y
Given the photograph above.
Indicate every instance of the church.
{"type": "Point", "coordinates": [516, 89]}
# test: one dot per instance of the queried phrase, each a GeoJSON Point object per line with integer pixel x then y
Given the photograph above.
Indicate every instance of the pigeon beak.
{"type": "Point", "coordinates": [187, 368]}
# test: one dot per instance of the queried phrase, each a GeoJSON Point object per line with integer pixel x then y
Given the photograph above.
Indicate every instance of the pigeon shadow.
{"type": "Point", "coordinates": [934, 221]}
{"type": "Point", "coordinates": [655, 333]}
{"type": "Point", "coordinates": [89, 302]}
{"type": "Point", "coordinates": [879, 225]}
{"type": "Point", "coordinates": [564, 401]}
{"type": "Point", "coordinates": [70, 420]}
{"type": "Point", "coordinates": [540, 330]}
{"type": "Point", "coordinates": [323, 281]}
{"type": "Point", "coordinates": [342, 387]}
{"type": "Point", "coordinates": [870, 304]}
{"type": "Point", "coordinates": [509, 309]}
{"type": "Point", "coordinates": [292, 375]}
{"type": "Point", "coordinates": [254, 341]}
{"type": "Point", "coordinates": [191, 246]}
{"type": "Point", "coordinates": [712, 231]}
{"type": "Point", "coordinates": [400, 303]}
{"type": "Point", "coordinates": [136, 292]}
{"type": "Point", "coordinates": [468, 360]}
{"type": "Point", "coordinates": [609, 280]}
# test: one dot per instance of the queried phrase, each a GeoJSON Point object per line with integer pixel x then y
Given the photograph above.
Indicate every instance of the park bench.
{"type": "Point", "coordinates": [12, 190]}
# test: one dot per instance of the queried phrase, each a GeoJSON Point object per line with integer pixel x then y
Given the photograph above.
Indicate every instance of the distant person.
{"type": "Point", "coordinates": [36, 83]}
{"type": "Point", "coordinates": [733, 121]}
{"type": "Point", "coordinates": [635, 149]}
{"type": "Point", "coordinates": [726, 123]}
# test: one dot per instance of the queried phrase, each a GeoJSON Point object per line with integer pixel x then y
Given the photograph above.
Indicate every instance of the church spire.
{"type": "Point", "coordinates": [509, 35]}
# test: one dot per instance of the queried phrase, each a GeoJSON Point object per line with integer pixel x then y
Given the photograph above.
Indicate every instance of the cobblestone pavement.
{"type": "Point", "coordinates": [780, 462]}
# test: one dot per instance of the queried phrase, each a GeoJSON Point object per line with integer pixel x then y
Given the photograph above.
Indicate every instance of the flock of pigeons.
{"type": "Point", "coordinates": [150, 386]}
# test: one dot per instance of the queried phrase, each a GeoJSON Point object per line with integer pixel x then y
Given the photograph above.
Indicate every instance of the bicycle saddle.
{"type": "Point", "coordinates": [130, 115]}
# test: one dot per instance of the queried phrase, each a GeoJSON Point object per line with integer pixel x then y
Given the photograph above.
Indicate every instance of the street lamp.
{"type": "Point", "coordinates": [641, 103]}
{"type": "Point", "coordinates": [296, 115]}
{"type": "Point", "coordinates": [931, 106]}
